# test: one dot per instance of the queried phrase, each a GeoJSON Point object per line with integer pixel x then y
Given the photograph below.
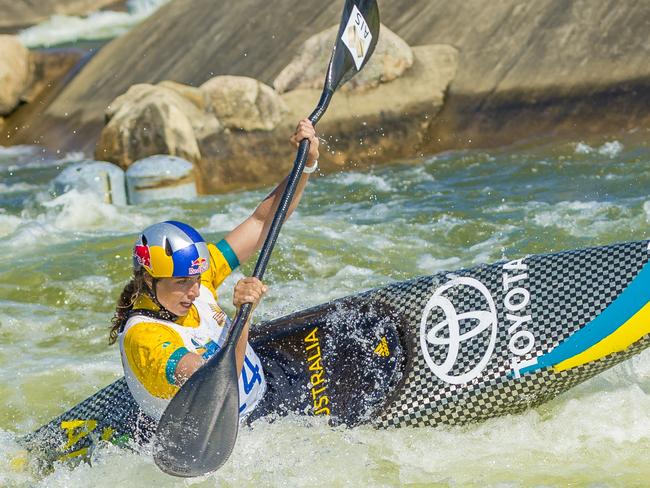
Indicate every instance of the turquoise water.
{"type": "Point", "coordinates": [66, 258]}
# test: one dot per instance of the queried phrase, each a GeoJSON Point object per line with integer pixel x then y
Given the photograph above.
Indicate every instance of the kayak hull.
{"type": "Point", "coordinates": [452, 348]}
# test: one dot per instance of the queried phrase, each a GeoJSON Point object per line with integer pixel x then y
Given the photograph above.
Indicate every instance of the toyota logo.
{"type": "Point", "coordinates": [480, 319]}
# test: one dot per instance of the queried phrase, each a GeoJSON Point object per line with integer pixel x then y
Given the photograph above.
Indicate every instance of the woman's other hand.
{"type": "Point", "coordinates": [248, 290]}
{"type": "Point", "coordinates": [305, 130]}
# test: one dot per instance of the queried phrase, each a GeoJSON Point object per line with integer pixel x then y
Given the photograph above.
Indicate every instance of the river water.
{"type": "Point", "coordinates": [65, 259]}
{"type": "Point", "coordinates": [62, 30]}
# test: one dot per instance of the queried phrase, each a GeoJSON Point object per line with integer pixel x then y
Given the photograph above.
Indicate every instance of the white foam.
{"type": "Point", "coordinates": [610, 149]}
{"type": "Point", "coordinates": [486, 251]}
{"type": "Point", "coordinates": [632, 372]}
{"type": "Point", "coordinates": [513, 451]}
{"type": "Point", "coordinates": [364, 179]}
{"type": "Point", "coordinates": [564, 445]}
{"type": "Point", "coordinates": [17, 187]}
{"type": "Point", "coordinates": [349, 271]}
{"type": "Point", "coordinates": [19, 150]}
{"type": "Point", "coordinates": [12, 472]}
{"type": "Point", "coordinates": [584, 219]}
{"type": "Point", "coordinates": [228, 220]}
{"type": "Point", "coordinates": [420, 173]}
{"type": "Point", "coordinates": [30, 234]}
{"type": "Point", "coordinates": [61, 29]}
{"type": "Point", "coordinates": [429, 264]}
{"type": "Point", "coordinates": [85, 291]}
{"type": "Point", "coordinates": [8, 224]}
{"type": "Point", "coordinates": [59, 220]}
{"type": "Point", "coordinates": [446, 223]}
{"type": "Point", "coordinates": [83, 211]}
{"type": "Point", "coordinates": [582, 148]}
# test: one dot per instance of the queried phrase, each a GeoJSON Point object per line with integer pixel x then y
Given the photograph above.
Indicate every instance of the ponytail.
{"type": "Point", "coordinates": [125, 304]}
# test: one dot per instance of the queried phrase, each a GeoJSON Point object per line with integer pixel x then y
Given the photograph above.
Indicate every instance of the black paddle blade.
{"type": "Point", "coordinates": [198, 430]}
{"type": "Point", "coordinates": [355, 42]}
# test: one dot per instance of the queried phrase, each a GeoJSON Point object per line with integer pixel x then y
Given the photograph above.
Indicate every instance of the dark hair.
{"type": "Point", "coordinates": [130, 293]}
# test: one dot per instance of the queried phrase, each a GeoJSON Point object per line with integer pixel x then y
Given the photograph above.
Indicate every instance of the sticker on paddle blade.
{"type": "Point", "coordinates": [357, 37]}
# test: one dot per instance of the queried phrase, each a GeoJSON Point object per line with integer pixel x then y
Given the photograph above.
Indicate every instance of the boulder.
{"type": "Point", "coordinates": [244, 103]}
{"type": "Point", "coordinates": [149, 120]}
{"type": "Point", "coordinates": [392, 57]}
{"type": "Point", "coordinates": [359, 130]}
{"type": "Point", "coordinates": [195, 95]}
{"type": "Point", "coordinates": [15, 72]}
{"type": "Point", "coordinates": [105, 180]}
{"type": "Point", "coordinates": [160, 177]}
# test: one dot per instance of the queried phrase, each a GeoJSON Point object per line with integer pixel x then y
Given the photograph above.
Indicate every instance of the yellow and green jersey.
{"type": "Point", "coordinates": [151, 347]}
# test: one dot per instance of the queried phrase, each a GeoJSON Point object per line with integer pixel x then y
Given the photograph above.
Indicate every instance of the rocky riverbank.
{"type": "Point", "coordinates": [482, 74]}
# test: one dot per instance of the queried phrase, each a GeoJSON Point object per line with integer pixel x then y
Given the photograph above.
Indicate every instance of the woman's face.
{"type": "Point", "coordinates": [178, 294]}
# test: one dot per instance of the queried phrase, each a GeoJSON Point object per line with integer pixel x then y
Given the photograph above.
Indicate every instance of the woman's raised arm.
{"type": "Point", "coordinates": [248, 237]}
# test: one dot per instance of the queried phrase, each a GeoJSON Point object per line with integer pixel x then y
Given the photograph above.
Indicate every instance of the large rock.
{"type": "Point", "coordinates": [15, 72]}
{"type": "Point", "coordinates": [198, 97]}
{"type": "Point", "coordinates": [391, 58]}
{"type": "Point", "coordinates": [244, 103]}
{"type": "Point", "coordinates": [160, 177]}
{"type": "Point", "coordinates": [360, 128]}
{"type": "Point", "coordinates": [150, 120]}
{"type": "Point", "coordinates": [52, 68]}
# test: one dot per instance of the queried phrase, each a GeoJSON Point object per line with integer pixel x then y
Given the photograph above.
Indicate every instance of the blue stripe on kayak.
{"type": "Point", "coordinates": [628, 303]}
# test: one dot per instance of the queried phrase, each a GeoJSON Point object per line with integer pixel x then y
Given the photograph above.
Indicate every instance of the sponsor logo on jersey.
{"type": "Point", "coordinates": [466, 340]}
{"type": "Point", "coordinates": [317, 379]}
{"type": "Point", "coordinates": [218, 315]}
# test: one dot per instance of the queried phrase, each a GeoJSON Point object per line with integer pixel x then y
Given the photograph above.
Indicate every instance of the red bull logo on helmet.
{"type": "Point", "coordinates": [141, 254]}
{"type": "Point", "coordinates": [199, 265]}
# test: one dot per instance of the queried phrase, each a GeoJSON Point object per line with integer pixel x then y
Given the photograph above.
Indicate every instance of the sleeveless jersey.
{"type": "Point", "coordinates": [205, 339]}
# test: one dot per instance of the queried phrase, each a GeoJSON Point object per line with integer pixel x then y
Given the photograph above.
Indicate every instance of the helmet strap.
{"type": "Point", "coordinates": [163, 313]}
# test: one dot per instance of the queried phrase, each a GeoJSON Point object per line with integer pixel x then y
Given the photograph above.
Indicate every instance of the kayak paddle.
{"type": "Point", "coordinates": [198, 430]}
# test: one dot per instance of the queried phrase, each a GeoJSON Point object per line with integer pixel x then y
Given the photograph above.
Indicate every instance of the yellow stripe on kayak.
{"type": "Point", "coordinates": [627, 334]}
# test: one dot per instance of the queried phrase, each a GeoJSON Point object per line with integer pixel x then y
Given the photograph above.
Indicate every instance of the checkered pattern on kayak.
{"type": "Point", "coordinates": [567, 290]}
{"type": "Point", "coordinates": [112, 407]}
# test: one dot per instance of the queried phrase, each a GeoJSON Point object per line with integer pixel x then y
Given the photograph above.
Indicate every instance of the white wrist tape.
{"type": "Point", "coordinates": [310, 169]}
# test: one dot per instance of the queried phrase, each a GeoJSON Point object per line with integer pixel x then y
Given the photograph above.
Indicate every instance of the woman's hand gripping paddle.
{"type": "Point", "coordinates": [198, 430]}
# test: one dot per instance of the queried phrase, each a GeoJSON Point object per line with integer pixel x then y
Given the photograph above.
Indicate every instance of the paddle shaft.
{"type": "Point", "coordinates": [244, 312]}
{"type": "Point", "coordinates": [198, 429]}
